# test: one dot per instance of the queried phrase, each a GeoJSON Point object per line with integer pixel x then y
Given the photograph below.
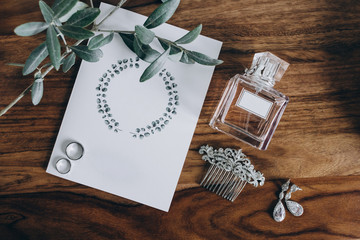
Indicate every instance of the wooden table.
{"type": "Point", "coordinates": [317, 142]}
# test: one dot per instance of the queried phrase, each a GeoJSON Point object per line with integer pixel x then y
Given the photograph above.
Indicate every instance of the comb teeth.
{"type": "Point", "coordinates": [223, 183]}
{"type": "Point", "coordinates": [229, 172]}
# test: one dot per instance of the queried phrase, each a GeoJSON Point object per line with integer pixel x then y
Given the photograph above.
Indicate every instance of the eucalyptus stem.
{"type": "Point", "coordinates": [91, 3]}
{"type": "Point", "coordinates": [171, 43]}
{"type": "Point", "coordinates": [117, 31]}
{"type": "Point", "coordinates": [122, 2]}
{"type": "Point", "coordinates": [2, 112]}
{"type": "Point", "coordinates": [61, 36]}
{"type": "Point", "coordinates": [132, 32]}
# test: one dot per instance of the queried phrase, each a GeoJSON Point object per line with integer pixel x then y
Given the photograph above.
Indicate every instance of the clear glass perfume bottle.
{"type": "Point", "coordinates": [250, 108]}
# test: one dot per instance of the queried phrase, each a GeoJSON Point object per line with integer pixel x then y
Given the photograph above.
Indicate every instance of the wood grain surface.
{"type": "Point", "coordinates": [317, 142]}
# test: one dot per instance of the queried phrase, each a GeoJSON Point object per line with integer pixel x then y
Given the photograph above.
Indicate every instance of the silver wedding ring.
{"type": "Point", "coordinates": [63, 166]}
{"type": "Point", "coordinates": [74, 151]}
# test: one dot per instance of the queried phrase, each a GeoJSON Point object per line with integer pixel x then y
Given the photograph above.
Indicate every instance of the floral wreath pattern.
{"type": "Point", "coordinates": [153, 126]}
{"type": "Point", "coordinates": [235, 161]}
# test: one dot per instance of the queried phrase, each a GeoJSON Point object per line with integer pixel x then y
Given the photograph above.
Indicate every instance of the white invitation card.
{"type": "Point", "coordinates": [135, 135]}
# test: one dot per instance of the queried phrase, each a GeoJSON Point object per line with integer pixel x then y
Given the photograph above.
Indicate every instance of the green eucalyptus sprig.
{"type": "Point", "coordinates": [139, 42]}
{"type": "Point", "coordinates": [75, 20]}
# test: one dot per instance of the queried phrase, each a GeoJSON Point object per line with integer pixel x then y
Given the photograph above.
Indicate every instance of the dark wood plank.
{"type": "Point", "coordinates": [330, 212]}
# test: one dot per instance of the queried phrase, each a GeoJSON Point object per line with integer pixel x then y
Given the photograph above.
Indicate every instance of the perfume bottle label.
{"type": "Point", "coordinates": [254, 104]}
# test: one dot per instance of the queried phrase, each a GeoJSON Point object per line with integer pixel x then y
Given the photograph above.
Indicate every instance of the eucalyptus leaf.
{"type": "Point", "coordinates": [165, 45]}
{"type": "Point", "coordinates": [78, 6]}
{"type": "Point", "coordinates": [151, 54]}
{"type": "Point", "coordinates": [77, 33]}
{"type": "Point", "coordinates": [30, 28]}
{"type": "Point", "coordinates": [53, 46]}
{"type": "Point", "coordinates": [145, 35]}
{"type": "Point", "coordinates": [163, 13]}
{"type": "Point", "coordinates": [176, 57]}
{"type": "Point", "coordinates": [128, 40]}
{"type": "Point", "coordinates": [155, 66]}
{"type": "Point", "coordinates": [83, 17]}
{"type": "Point", "coordinates": [99, 41]}
{"type": "Point", "coordinates": [145, 52]}
{"type": "Point", "coordinates": [35, 58]}
{"type": "Point", "coordinates": [190, 36]}
{"type": "Point", "coordinates": [46, 11]}
{"type": "Point", "coordinates": [85, 53]}
{"type": "Point", "coordinates": [138, 47]}
{"type": "Point", "coordinates": [175, 50]}
{"type": "Point", "coordinates": [69, 61]}
{"type": "Point", "coordinates": [185, 59]}
{"type": "Point", "coordinates": [62, 7]}
{"type": "Point", "coordinates": [203, 59]}
{"type": "Point", "coordinates": [96, 39]}
{"type": "Point", "coordinates": [37, 91]}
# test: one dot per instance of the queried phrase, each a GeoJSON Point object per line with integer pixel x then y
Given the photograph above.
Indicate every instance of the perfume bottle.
{"type": "Point", "coordinates": [250, 108]}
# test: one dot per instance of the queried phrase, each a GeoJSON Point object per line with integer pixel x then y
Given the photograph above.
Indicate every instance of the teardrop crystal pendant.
{"type": "Point", "coordinates": [295, 208]}
{"type": "Point", "coordinates": [279, 212]}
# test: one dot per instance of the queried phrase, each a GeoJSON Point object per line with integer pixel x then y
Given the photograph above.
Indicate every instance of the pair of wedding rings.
{"type": "Point", "coordinates": [74, 151]}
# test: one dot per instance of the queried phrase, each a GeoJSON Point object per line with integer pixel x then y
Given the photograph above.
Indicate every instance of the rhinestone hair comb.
{"type": "Point", "coordinates": [229, 172]}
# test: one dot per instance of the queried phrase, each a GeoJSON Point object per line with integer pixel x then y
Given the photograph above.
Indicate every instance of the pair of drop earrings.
{"type": "Point", "coordinates": [294, 208]}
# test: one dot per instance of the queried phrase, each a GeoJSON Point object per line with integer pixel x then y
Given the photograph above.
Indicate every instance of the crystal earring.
{"type": "Point", "coordinates": [279, 210]}
{"type": "Point", "coordinates": [294, 208]}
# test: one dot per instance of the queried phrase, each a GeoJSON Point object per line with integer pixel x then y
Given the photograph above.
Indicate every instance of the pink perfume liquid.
{"type": "Point", "coordinates": [250, 110]}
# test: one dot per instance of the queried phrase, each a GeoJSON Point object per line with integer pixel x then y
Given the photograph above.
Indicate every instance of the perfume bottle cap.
{"type": "Point", "coordinates": [267, 67]}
